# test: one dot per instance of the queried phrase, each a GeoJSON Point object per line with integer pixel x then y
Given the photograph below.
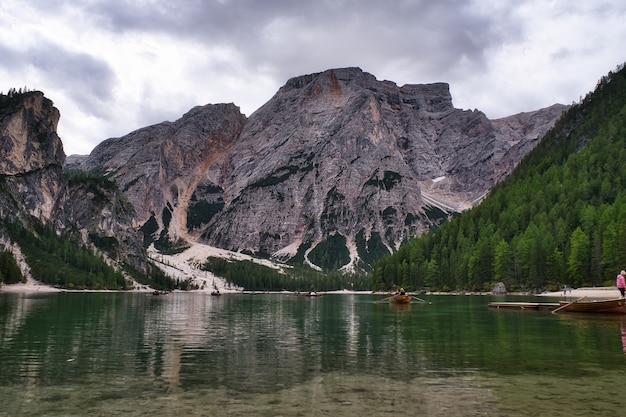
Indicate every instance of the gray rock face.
{"type": "Point", "coordinates": [342, 153]}
{"type": "Point", "coordinates": [334, 160]}
{"type": "Point", "coordinates": [29, 113]}
{"type": "Point", "coordinates": [33, 185]}
{"type": "Point", "coordinates": [161, 169]}
{"type": "Point", "coordinates": [31, 158]}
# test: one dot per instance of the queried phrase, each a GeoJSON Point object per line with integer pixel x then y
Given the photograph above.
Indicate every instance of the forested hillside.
{"type": "Point", "coordinates": [558, 219]}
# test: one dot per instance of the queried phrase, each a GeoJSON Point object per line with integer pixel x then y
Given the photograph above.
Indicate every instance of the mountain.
{"type": "Point", "coordinates": [31, 167]}
{"type": "Point", "coordinates": [559, 219]}
{"type": "Point", "coordinates": [36, 197]}
{"type": "Point", "coordinates": [336, 170]}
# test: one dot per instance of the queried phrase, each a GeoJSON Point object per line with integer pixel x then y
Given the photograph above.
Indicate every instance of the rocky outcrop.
{"type": "Point", "coordinates": [335, 170]}
{"type": "Point", "coordinates": [105, 218]}
{"type": "Point", "coordinates": [31, 158]}
{"type": "Point", "coordinates": [29, 140]}
{"type": "Point", "coordinates": [33, 186]}
{"type": "Point", "coordinates": [519, 134]}
{"type": "Point", "coordinates": [161, 169]}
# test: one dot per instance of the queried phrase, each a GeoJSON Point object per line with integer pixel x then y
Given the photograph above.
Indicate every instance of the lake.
{"type": "Point", "coordinates": [191, 354]}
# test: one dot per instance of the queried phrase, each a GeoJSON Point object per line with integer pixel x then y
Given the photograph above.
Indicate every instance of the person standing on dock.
{"type": "Point", "coordinates": [621, 282]}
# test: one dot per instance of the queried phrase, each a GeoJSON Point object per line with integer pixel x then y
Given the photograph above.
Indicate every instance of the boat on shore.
{"type": "Point", "coordinates": [615, 306]}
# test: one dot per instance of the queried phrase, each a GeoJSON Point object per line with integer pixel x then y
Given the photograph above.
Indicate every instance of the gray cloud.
{"type": "Point", "coordinates": [431, 36]}
{"type": "Point", "coordinates": [88, 80]}
{"type": "Point", "coordinates": [500, 57]}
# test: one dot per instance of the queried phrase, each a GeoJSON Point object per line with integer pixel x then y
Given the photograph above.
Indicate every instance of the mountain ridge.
{"type": "Point", "coordinates": [335, 157]}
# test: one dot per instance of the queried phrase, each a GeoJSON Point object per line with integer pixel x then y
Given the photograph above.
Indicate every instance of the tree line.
{"type": "Point", "coordinates": [6, 100]}
{"type": "Point", "coordinates": [10, 272]}
{"type": "Point", "coordinates": [255, 277]}
{"type": "Point", "coordinates": [55, 260]}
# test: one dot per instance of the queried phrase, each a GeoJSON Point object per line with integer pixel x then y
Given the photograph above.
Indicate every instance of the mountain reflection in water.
{"type": "Point", "coordinates": [276, 354]}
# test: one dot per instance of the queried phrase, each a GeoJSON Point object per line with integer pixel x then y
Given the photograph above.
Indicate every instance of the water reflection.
{"type": "Point", "coordinates": [623, 334]}
{"type": "Point", "coordinates": [597, 322]}
{"type": "Point", "coordinates": [241, 348]}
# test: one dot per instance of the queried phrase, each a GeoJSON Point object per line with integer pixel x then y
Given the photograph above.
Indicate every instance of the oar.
{"type": "Point", "coordinates": [419, 299]}
{"type": "Point", "coordinates": [567, 305]}
{"type": "Point", "coordinates": [384, 299]}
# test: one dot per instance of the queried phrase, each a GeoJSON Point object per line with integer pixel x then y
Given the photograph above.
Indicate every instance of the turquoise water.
{"type": "Point", "coordinates": [76, 354]}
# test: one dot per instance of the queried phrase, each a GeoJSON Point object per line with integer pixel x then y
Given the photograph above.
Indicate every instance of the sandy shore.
{"type": "Point", "coordinates": [588, 292]}
{"type": "Point", "coordinates": [574, 293]}
{"type": "Point", "coordinates": [28, 287]}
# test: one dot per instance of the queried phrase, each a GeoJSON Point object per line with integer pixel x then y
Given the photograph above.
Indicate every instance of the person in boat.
{"type": "Point", "coordinates": [620, 282]}
{"type": "Point", "coordinates": [401, 292]}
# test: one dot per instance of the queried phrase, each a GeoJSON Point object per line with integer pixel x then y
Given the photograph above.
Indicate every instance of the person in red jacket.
{"type": "Point", "coordinates": [621, 282]}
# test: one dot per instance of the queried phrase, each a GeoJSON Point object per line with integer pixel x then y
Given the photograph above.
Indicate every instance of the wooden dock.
{"type": "Point", "coordinates": [522, 305]}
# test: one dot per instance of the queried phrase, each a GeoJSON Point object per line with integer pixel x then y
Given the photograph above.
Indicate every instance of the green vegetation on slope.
{"type": "Point", "coordinates": [255, 277]}
{"type": "Point", "coordinates": [57, 261]}
{"type": "Point", "coordinates": [331, 253]}
{"type": "Point", "coordinates": [559, 219]}
{"type": "Point", "coordinates": [9, 270]}
{"type": "Point", "coordinates": [159, 280]}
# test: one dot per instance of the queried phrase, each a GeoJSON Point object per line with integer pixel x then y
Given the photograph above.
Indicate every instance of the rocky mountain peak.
{"type": "Point", "coordinates": [431, 98]}
{"type": "Point", "coordinates": [31, 157]}
{"type": "Point", "coordinates": [23, 116]}
{"type": "Point", "coordinates": [334, 170]}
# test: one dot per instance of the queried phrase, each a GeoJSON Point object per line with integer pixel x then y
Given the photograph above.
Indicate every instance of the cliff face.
{"type": "Point", "coordinates": [29, 141]}
{"type": "Point", "coordinates": [334, 160]}
{"type": "Point", "coordinates": [161, 169]}
{"type": "Point", "coordinates": [31, 158]}
{"type": "Point", "coordinates": [33, 186]}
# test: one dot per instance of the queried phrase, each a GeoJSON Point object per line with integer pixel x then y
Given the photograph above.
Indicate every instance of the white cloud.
{"type": "Point", "coordinates": [115, 66]}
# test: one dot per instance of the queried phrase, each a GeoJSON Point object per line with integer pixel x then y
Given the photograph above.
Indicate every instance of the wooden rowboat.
{"type": "Point", "coordinates": [401, 299]}
{"type": "Point", "coordinates": [617, 305]}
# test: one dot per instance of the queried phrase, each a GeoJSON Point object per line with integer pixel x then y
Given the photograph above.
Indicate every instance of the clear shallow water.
{"type": "Point", "coordinates": [75, 354]}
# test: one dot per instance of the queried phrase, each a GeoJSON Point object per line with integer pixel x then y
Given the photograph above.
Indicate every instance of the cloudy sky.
{"type": "Point", "coordinates": [113, 66]}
